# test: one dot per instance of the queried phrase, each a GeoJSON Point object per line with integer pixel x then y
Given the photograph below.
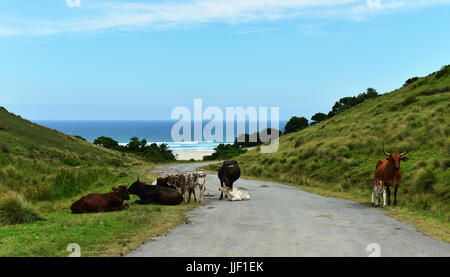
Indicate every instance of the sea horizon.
{"type": "Point", "coordinates": [154, 131]}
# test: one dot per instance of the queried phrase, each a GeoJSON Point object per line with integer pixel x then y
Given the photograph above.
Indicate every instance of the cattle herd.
{"type": "Point", "coordinates": [170, 190]}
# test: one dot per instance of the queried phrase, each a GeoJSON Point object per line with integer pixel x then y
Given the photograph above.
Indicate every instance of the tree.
{"type": "Point", "coordinates": [318, 117]}
{"type": "Point", "coordinates": [134, 144]}
{"type": "Point", "coordinates": [163, 147]}
{"type": "Point", "coordinates": [106, 142]}
{"type": "Point", "coordinates": [246, 140]}
{"type": "Point", "coordinates": [295, 124]}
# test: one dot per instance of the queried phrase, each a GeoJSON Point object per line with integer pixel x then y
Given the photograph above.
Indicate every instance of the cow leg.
{"type": "Point", "coordinates": [183, 194]}
{"type": "Point", "coordinates": [373, 196]}
{"type": "Point", "coordinates": [189, 198]}
{"type": "Point", "coordinates": [195, 197]}
{"type": "Point", "coordinates": [202, 191]}
{"type": "Point", "coordinates": [395, 195]}
{"type": "Point", "coordinates": [221, 193]}
{"type": "Point", "coordinates": [123, 207]}
{"type": "Point", "coordinates": [388, 195]}
{"type": "Point", "coordinates": [384, 197]}
{"type": "Point", "coordinates": [142, 202]}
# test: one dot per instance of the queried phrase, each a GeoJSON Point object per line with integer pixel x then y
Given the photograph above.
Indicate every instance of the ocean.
{"type": "Point", "coordinates": [154, 131]}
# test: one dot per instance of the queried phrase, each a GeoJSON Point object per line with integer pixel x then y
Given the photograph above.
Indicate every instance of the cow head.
{"type": "Point", "coordinates": [122, 191]}
{"type": "Point", "coordinates": [225, 189]}
{"type": "Point", "coordinates": [162, 181]}
{"type": "Point", "coordinates": [199, 178]}
{"type": "Point", "coordinates": [136, 187]}
{"type": "Point", "coordinates": [396, 158]}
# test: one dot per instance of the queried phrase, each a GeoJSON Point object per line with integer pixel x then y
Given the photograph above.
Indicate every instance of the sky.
{"type": "Point", "coordinates": [138, 60]}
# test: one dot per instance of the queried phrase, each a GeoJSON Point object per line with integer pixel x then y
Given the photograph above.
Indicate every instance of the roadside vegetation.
{"type": "Point", "coordinates": [337, 156]}
{"type": "Point", "coordinates": [224, 152]}
{"type": "Point", "coordinates": [152, 152]}
{"type": "Point", "coordinates": [43, 171]}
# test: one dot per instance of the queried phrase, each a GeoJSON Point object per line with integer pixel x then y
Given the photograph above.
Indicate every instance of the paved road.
{"type": "Point", "coordinates": [281, 220]}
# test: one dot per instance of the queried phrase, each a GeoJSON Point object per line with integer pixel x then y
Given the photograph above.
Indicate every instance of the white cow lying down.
{"type": "Point", "coordinates": [235, 194]}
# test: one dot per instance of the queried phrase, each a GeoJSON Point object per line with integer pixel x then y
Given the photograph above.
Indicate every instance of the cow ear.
{"type": "Point", "coordinates": [114, 189]}
{"type": "Point", "coordinates": [405, 159]}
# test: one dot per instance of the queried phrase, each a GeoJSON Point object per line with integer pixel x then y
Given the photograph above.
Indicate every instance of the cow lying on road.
{"type": "Point", "coordinates": [107, 202]}
{"type": "Point", "coordinates": [185, 182]}
{"type": "Point", "coordinates": [149, 194]}
{"type": "Point", "coordinates": [234, 194]}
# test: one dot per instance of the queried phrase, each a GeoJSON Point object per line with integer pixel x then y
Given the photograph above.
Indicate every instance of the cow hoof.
{"type": "Point", "coordinates": [395, 203]}
{"type": "Point", "coordinates": [373, 205]}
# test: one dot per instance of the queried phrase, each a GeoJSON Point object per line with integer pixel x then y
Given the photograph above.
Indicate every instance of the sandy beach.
{"type": "Point", "coordinates": [188, 155]}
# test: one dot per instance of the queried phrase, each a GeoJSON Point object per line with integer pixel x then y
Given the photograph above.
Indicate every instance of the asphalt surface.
{"type": "Point", "coordinates": [281, 220]}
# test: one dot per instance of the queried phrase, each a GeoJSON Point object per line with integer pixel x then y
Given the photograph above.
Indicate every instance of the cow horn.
{"type": "Point", "coordinates": [138, 178]}
{"type": "Point", "coordinates": [404, 153]}
{"type": "Point", "coordinates": [386, 153]}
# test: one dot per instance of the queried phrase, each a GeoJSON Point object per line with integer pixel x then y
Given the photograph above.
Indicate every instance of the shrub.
{"type": "Point", "coordinates": [70, 161]}
{"type": "Point", "coordinates": [410, 81]}
{"type": "Point", "coordinates": [123, 174]}
{"type": "Point", "coordinates": [298, 142]}
{"type": "Point", "coordinates": [425, 181]}
{"type": "Point", "coordinates": [409, 100]}
{"type": "Point", "coordinates": [296, 124]}
{"type": "Point", "coordinates": [14, 209]}
{"type": "Point", "coordinates": [114, 162]}
{"type": "Point", "coordinates": [444, 71]}
{"type": "Point", "coordinates": [5, 149]}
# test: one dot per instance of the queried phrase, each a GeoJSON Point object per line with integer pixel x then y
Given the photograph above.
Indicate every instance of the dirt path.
{"type": "Point", "coordinates": [281, 220]}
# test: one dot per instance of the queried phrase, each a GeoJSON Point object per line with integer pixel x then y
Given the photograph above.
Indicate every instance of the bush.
{"type": "Point", "coordinates": [70, 161]}
{"type": "Point", "coordinates": [225, 152]}
{"type": "Point", "coordinates": [410, 81]}
{"type": "Point", "coordinates": [444, 71]}
{"type": "Point", "coordinates": [5, 149]}
{"type": "Point", "coordinates": [14, 209]}
{"type": "Point", "coordinates": [409, 100]}
{"type": "Point", "coordinates": [296, 124]}
{"type": "Point", "coordinates": [425, 181]}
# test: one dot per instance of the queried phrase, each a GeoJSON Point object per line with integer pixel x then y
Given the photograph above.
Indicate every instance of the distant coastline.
{"type": "Point", "coordinates": [154, 131]}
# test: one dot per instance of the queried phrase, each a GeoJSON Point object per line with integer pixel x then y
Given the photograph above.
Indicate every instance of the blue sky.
{"type": "Point", "coordinates": [140, 59]}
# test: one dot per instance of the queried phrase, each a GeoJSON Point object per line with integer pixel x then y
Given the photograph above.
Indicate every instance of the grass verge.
{"type": "Point", "coordinates": [100, 234]}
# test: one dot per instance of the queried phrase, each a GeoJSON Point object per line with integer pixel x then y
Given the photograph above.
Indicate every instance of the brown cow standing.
{"type": "Point", "coordinates": [107, 202]}
{"type": "Point", "coordinates": [389, 172]}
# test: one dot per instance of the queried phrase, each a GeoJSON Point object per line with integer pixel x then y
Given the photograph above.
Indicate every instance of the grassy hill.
{"type": "Point", "coordinates": [338, 156]}
{"type": "Point", "coordinates": [44, 164]}
{"type": "Point", "coordinates": [42, 171]}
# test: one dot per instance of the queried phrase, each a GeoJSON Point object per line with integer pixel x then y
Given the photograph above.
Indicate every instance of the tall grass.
{"type": "Point", "coordinates": [14, 209]}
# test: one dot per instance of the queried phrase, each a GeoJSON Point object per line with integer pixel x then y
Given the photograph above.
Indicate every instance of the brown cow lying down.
{"type": "Point", "coordinates": [107, 202]}
{"type": "Point", "coordinates": [163, 195]}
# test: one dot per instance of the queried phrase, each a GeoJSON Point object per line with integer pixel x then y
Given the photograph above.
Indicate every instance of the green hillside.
{"type": "Point", "coordinates": [43, 171]}
{"type": "Point", "coordinates": [339, 154]}
{"type": "Point", "coordinates": [44, 164]}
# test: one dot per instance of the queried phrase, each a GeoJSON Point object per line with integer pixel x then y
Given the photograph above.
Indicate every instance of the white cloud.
{"type": "Point", "coordinates": [100, 16]}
